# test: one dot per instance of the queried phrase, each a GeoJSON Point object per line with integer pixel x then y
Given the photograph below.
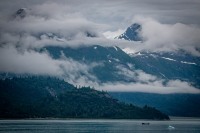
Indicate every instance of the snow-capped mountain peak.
{"type": "Point", "coordinates": [131, 33]}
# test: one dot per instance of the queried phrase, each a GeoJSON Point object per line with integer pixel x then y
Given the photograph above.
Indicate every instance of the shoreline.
{"type": "Point", "coordinates": [105, 119]}
{"type": "Point", "coordinates": [172, 118]}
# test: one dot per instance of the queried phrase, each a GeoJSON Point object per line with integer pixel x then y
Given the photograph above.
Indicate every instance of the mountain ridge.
{"type": "Point", "coordinates": [115, 65]}
{"type": "Point", "coordinates": [44, 97]}
{"type": "Point", "coordinates": [132, 33]}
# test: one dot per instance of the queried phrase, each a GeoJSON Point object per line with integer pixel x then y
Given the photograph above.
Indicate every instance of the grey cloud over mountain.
{"type": "Point", "coordinates": [167, 26]}
{"type": "Point", "coordinates": [169, 37]}
{"type": "Point", "coordinates": [147, 83]}
{"type": "Point", "coordinates": [182, 11]}
{"type": "Point", "coordinates": [31, 62]}
{"type": "Point", "coordinates": [173, 86]}
{"type": "Point", "coordinates": [35, 63]}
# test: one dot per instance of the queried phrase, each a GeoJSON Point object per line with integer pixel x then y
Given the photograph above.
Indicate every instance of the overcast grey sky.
{"type": "Point", "coordinates": [167, 25]}
{"type": "Point", "coordinates": [109, 18]}
{"type": "Point", "coordinates": [116, 13]}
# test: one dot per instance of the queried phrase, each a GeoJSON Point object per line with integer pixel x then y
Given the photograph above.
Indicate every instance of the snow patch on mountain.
{"type": "Point", "coordinates": [153, 55]}
{"type": "Point", "coordinates": [191, 63]}
{"type": "Point", "coordinates": [128, 51]}
{"type": "Point", "coordinates": [115, 48]}
{"type": "Point", "coordinates": [162, 74]}
{"type": "Point", "coordinates": [168, 59]}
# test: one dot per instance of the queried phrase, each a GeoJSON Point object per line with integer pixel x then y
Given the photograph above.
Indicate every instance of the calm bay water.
{"type": "Point", "coordinates": [99, 126]}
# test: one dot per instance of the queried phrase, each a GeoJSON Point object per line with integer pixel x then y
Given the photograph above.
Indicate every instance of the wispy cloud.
{"type": "Point", "coordinates": [32, 62]}
{"type": "Point", "coordinates": [147, 83]}
{"type": "Point", "coordinates": [176, 86]}
{"type": "Point", "coordinates": [169, 37]}
{"type": "Point", "coordinates": [73, 20]}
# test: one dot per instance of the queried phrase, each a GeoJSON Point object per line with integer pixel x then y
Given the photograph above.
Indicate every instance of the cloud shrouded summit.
{"type": "Point", "coordinates": [166, 26]}
{"type": "Point", "coordinates": [28, 26]}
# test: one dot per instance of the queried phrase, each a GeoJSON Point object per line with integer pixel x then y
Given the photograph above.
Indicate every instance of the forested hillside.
{"type": "Point", "coordinates": [45, 97]}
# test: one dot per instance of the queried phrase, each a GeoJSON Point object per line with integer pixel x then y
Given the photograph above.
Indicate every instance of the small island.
{"type": "Point", "coordinates": [47, 97]}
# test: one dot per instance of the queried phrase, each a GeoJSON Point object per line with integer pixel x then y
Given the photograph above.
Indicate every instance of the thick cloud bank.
{"type": "Point", "coordinates": [82, 23]}
{"type": "Point", "coordinates": [147, 83]}
{"type": "Point", "coordinates": [172, 87]}
{"type": "Point", "coordinates": [73, 22]}
{"type": "Point", "coordinates": [169, 37]}
{"type": "Point", "coordinates": [31, 62]}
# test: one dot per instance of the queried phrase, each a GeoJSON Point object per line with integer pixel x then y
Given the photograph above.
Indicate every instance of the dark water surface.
{"type": "Point", "coordinates": [99, 126]}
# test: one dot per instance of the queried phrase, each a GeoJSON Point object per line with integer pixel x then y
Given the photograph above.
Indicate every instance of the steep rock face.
{"type": "Point", "coordinates": [131, 33]}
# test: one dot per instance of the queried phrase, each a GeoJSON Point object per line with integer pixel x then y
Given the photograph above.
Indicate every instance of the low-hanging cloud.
{"type": "Point", "coordinates": [169, 37]}
{"type": "Point", "coordinates": [173, 86]}
{"type": "Point", "coordinates": [71, 26]}
{"type": "Point", "coordinates": [20, 61]}
{"type": "Point", "coordinates": [66, 27]}
{"type": "Point", "coordinates": [35, 63]}
{"type": "Point", "coordinates": [135, 75]}
{"type": "Point", "coordinates": [146, 83]}
{"type": "Point", "coordinates": [70, 22]}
